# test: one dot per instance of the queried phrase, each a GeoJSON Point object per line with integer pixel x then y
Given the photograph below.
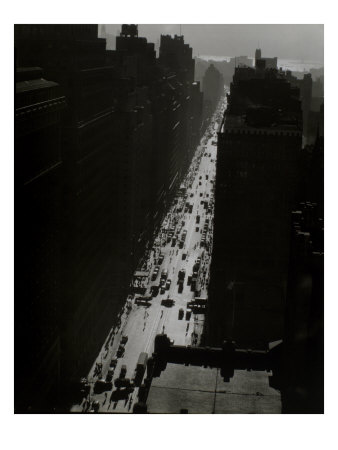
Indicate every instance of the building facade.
{"type": "Point", "coordinates": [259, 143]}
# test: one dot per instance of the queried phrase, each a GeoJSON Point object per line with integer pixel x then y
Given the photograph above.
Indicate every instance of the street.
{"type": "Point", "coordinates": [182, 239]}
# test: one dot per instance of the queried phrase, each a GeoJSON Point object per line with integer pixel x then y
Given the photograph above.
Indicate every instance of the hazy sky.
{"type": "Point", "coordinates": [284, 41]}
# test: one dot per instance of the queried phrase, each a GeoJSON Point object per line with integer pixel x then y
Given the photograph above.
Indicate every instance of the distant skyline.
{"type": "Point", "coordinates": [302, 42]}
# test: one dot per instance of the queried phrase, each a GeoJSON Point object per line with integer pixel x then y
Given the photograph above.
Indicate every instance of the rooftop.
{"type": "Point", "coordinates": [202, 390]}
{"type": "Point", "coordinates": [235, 123]}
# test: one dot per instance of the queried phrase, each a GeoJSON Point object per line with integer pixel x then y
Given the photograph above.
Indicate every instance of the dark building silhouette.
{"type": "Point", "coordinates": [39, 106]}
{"type": "Point", "coordinates": [262, 63]}
{"type": "Point", "coordinates": [259, 145]}
{"type": "Point", "coordinates": [303, 387]}
{"type": "Point", "coordinates": [114, 159]}
{"type": "Point", "coordinates": [177, 56]}
{"type": "Point", "coordinates": [213, 88]}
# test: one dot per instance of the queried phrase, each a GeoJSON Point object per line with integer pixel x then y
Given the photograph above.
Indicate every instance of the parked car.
{"type": "Point", "coordinates": [95, 406]}
{"type": "Point", "coordinates": [110, 374]}
{"type": "Point", "coordinates": [113, 362]}
{"type": "Point", "coordinates": [180, 314]}
{"type": "Point", "coordinates": [120, 351]}
{"type": "Point", "coordinates": [124, 339]}
{"type": "Point", "coordinates": [123, 371]}
{"type": "Point", "coordinates": [167, 284]}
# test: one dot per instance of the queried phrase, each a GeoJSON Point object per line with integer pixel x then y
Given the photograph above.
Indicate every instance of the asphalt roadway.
{"type": "Point", "coordinates": [142, 323]}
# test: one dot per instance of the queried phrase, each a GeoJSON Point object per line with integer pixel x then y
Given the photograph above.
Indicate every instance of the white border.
{"type": "Point", "coordinates": [138, 432]}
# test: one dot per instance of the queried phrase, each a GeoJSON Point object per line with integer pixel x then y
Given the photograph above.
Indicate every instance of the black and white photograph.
{"type": "Point", "coordinates": [169, 219]}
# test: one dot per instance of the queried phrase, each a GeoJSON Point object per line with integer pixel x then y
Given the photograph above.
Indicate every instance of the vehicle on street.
{"type": "Point", "coordinates": [110, 374]}
{"type": "Point", "coordinates": [164, 274]}
{"type": "Point", "coordinates": [167, 284]}
{"type": "Point", "coordinates": [188, 314]}
{"type": "Point", "coordinates": [198, 218]}
{"type": "Point", "coordinates": [197, 228]}
{"type": "Point", "coordinates": [180, 286]}
{"type": "Point", "coordinates": [168, 302]}
{"type": "Point", "coordinates": [160, 259]}
{"type": "Point", "coordinates": [102, 385]}
{"type": "Point", "coordinates": [123, 382]}
{"type": "Point", "coordinates": [155, 289]}
{"type": "Point", "coordinates": [143, 301]}
{"type": "Point", "coordinates": [141, 366]}
{"type": "Point", "coordinates": [123, 371]}
{"type": "Point", "coordinates": [180, 314]}
{"type": "Point", "coordinates": [95, 406]}
{"type": "Point", "coordinates": [181, 274]}
{"type": "Point", "coordinates": [124, 339]}
{"type": "Point", "coordinates": [113, 362]}
{"type": "Point", "coordinates": [120, 351]}
{"type": "Point", "coordinates": [155, 273]}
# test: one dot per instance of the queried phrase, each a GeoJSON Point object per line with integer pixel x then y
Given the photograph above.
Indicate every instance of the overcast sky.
{"type": "Point", "coordinates": [305, 42]}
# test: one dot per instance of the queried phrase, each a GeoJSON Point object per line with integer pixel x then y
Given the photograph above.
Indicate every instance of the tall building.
{"type": "Point", "coordinates": [259, 143]}
{"type": "Point", "coordinates": [92, 284]}
{"type": "Point", "coordinates": [38, 165]}
{"type": "Point", "coordinates": [303, 385]}
{"type": "Point", "coordinates": [177, 56]}
{"type": "Point", "coordinates": [213, 88]}
{"type": "Point", "coordinates": [263, 63]}
{"type": "Point", "coordinates": [114, 159]}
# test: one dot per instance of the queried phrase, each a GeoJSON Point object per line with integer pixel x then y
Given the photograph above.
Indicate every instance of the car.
{"type": "Point", "coordinates": [120, 351]}
{"type": "Point", "coordinates": [162, 290]}
{"type": "Point", "coordinates": [168, 302]}
{"type": "Point", "coordinates": [201, 194]}
{"type": "Point", "coordinates": [155, 273]}
{"type": "Point", "coordinates": [109, 376]}
{"type": "Point", "coordinates": [95, 406]}
{"type": "Point", "coordinates": [155, 289]}
{"type": "Point", "coordinates": [191, 195]}
{"type": "Point", "coordinates": [113, 362]}
{"type": "Point", "coordinates": [102, 385]}
{"type": "Point", "coordinates": [197, 228]}
{"type": "Point", "coordinates": [124, 339]}
{"type": "Point", "coordinates": [123, 382]}
{"type": "Point", "coordinates": [164, 274]}
{"type": "Point", "coordinates": [123, 371]}
{"type": "Point", "coordinates": [180, 314]}
{"type": "Point", "coordinates": [188, 314]}
{"type": "Point", "coordinates": [167, 284]}
{"type": "Point", "coordinates": [160, 259]}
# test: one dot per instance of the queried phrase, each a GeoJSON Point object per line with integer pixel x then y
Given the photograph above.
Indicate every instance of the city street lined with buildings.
{"type": "Point", "coordinates": [181, 250]}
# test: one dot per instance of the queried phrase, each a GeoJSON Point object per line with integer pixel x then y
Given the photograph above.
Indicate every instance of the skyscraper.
{"type": "Point", "coordinates": [258, 149]}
